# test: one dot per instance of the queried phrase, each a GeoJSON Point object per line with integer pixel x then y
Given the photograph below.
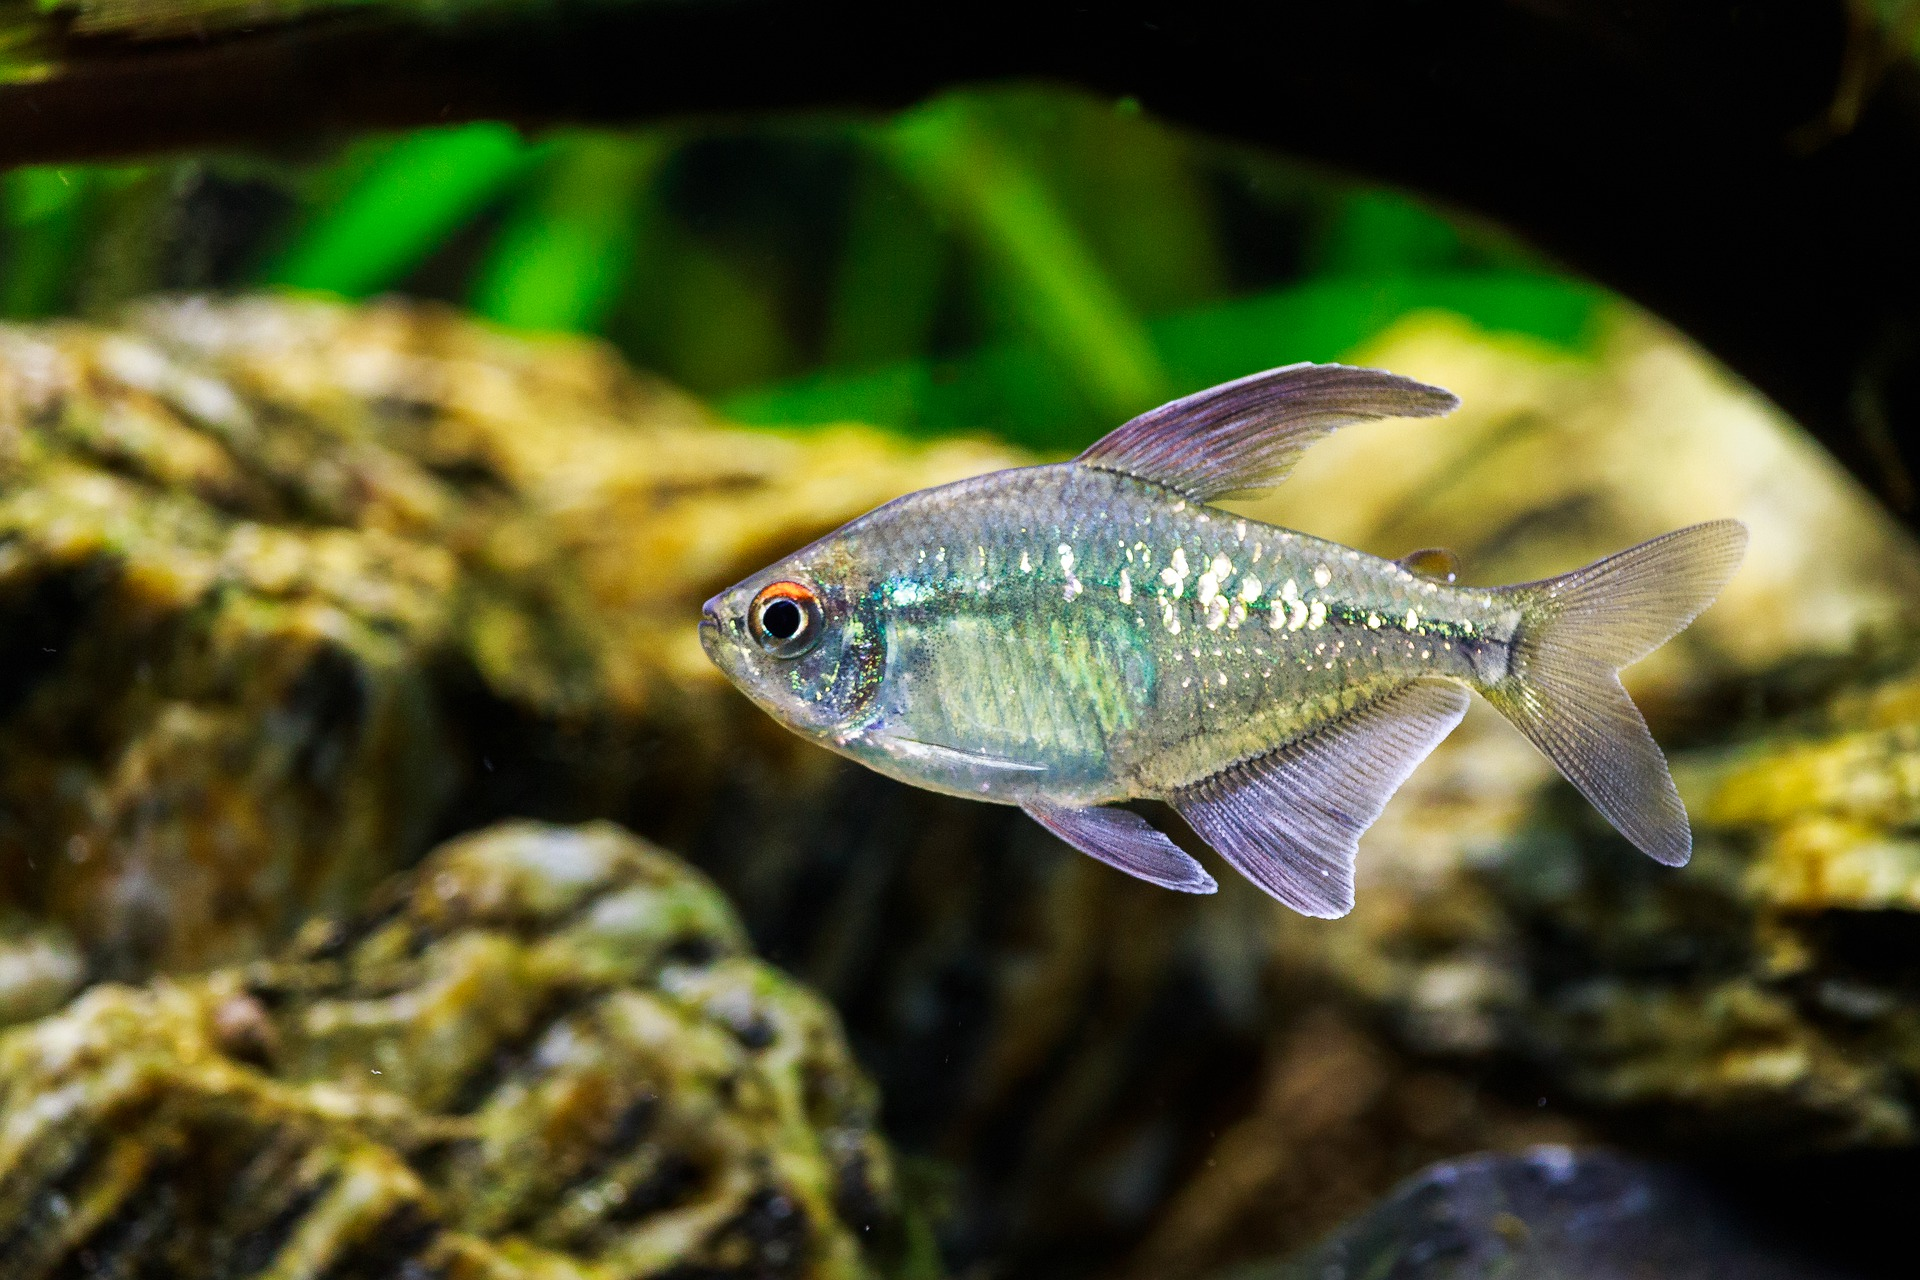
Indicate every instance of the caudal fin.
{"type": "Point", "coordinates": [1562, 686]}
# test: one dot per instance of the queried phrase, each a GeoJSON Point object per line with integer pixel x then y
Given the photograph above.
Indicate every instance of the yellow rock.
{"type": "Point", "coordinates": [273, 565]}
{"type": "Point", "coordinates": [546, 1056]}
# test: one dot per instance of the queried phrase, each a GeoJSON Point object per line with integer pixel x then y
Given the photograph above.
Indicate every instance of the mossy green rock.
{"type": "Point", "coordinates": [288, 588]}
{"type": "Point", "coordinates": [1764, 995]}
{"type": "Point", "coordinates": [1760, 1001]}
{"type": "Point", "coordinates": [545, 1054]}
{"type": "Point", "coordinates": [39, 968]}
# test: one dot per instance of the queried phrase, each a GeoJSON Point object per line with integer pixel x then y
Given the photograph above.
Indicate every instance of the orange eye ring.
{"type": "Point", "coordinates": [786, 619]}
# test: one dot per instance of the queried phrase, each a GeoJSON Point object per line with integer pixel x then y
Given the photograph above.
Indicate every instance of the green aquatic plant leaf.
{"type": "Point", "coordinates": [1138, 194]}
{"type": "Point", "coordinates": [1016, 391]}
{"type": "Point", "coordinates": [1053, 280]}
{"type": "Point", "coordinates": [888, 285]}
{"type": "Point", "coordinates": [42, 216]}
{"type": "Point", "coordinates": [1376, 233]}
{"type": "Point", "coordinates": [61, 241]}
{"type": "Point", "coordinates": [562, 257]}
{"type": "Point", "coordinates": [400, 207]}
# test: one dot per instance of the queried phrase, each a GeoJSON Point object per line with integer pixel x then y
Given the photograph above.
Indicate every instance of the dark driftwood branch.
{"type": "Point", "coordinates": [1685, 154]}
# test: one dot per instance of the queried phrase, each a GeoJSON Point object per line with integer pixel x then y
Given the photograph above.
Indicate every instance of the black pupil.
{"type": "Point", "coordinates": [782, 619]}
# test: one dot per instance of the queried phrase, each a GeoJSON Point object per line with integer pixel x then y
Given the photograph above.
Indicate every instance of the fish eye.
{"type": "Point", "coordinates": [785, 618]}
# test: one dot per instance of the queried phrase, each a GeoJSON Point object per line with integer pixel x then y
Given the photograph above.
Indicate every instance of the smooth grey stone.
{"type": "Point", "coordinates": [1550, 1214]}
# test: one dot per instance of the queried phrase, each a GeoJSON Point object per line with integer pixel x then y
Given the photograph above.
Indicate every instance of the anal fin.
{"type": "Point", "coordinates": [1290, 820]}
{"type": "Point", "coordinates": [1124, 840]}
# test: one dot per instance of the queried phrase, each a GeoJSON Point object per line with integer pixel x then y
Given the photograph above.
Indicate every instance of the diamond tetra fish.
{"type": "Point", "coordinates": [1068, 637]}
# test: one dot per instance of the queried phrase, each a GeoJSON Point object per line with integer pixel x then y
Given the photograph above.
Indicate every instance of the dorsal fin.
{"type": "Point", "coordinates": [1244, 436]}
{"type": "Point", "coordinates": [1437, 563]}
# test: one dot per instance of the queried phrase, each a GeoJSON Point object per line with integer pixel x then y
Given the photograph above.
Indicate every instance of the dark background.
{"type": "Point", "coordinates": [1743, 169]}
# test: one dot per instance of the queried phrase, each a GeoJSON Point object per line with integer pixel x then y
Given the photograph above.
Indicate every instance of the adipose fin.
{"type": "Point", "coordinates": [1437, 564]}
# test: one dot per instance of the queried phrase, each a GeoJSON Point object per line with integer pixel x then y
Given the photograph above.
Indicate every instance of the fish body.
{"type": "Point", "coordinates": [1072, 636]}
{"type": "Point", "coordinates": [1114, 640]}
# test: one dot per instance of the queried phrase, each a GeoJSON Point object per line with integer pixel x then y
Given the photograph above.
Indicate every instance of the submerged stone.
{"type": "Point", "coordinates": [545, 1054]}
{"type": "Point", "coordinates": [40, 968]}
{"type": "Point", "coordinates": [288, 587]}
{"type": "Point", "coordinates": [1762, 995]}
{"type": "Point", "coordinates": [1549, 1214]}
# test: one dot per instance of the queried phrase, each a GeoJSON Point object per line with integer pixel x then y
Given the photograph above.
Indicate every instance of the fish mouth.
{"type": "Point", "coordinates": [710, 631]}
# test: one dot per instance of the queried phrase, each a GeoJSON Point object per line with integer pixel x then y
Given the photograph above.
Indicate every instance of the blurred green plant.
{"type": "Point", "coordinates": [565, 252]}
{"type": "Point", "coordinates": [1059, 290]}
{"type": "Point", "coordinates": [393, 202]}
{"type": "Point", "coordinates": [41, 210]}
{"type": "Point", "coordinates": [1367, 257]}
{"type": "Point", "coordinates": [1378, 233]}
{"type": "Point", "coordinates": [1899, 19]}
{"type": "Point", "coordinates": [895, 264]}
{"type": "Point", "coordinates": [1031, 262]}
{"type": "Point", "coordinates": [51, 259]}
{"type": "Point", "coordinates": [1013, 390]}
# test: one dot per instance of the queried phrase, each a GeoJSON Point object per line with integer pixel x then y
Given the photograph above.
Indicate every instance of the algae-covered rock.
{"type": "Point", "coordinates": [288, 588]}
{"type": "Point", "coordinates": [1766, 995]}
{"type": "Point", "coordinates": [292, 587]}
{"type": "Point", "coordinates": [546, 1054]}
{"type": "Point", "coordinates": [1763, 994]}
{"type": "Point", "coordinates": [1763, 997]}
{"type": "Point", "coordinates": [40, 967]}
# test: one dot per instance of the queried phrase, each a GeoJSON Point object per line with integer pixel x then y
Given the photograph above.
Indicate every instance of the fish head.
{"type": "Point", "coordinates": [802, 638]}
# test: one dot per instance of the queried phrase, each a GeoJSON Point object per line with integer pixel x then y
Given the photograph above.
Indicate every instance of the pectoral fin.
{"type": "Point", "coordinates": [934, 753]}
{"type": "Point", "coordinates": [1290, 820]}
{"type": "Point", "coordinates": [1123, 839]}
{"type": "Point", "coordinates": [1244, 436]}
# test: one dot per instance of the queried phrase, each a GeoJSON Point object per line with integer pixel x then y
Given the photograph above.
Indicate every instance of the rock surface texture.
{"type": "Point", "coordinates": [290, 591]}
{"type": "Point", "coordinates": [545, 1054]}
{"type": "Point", "coordinates": [1549, 1214]}
{"type": "Point", "coordinates": [1763, 994]}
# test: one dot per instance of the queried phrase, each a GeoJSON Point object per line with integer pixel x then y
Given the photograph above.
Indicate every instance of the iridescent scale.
{"type": "Point", "coordinates": [1133, 642]}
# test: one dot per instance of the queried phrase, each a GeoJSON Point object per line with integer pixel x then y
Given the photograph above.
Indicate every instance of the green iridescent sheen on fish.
{"type": "Point", "coordinates": [1070, 637]}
